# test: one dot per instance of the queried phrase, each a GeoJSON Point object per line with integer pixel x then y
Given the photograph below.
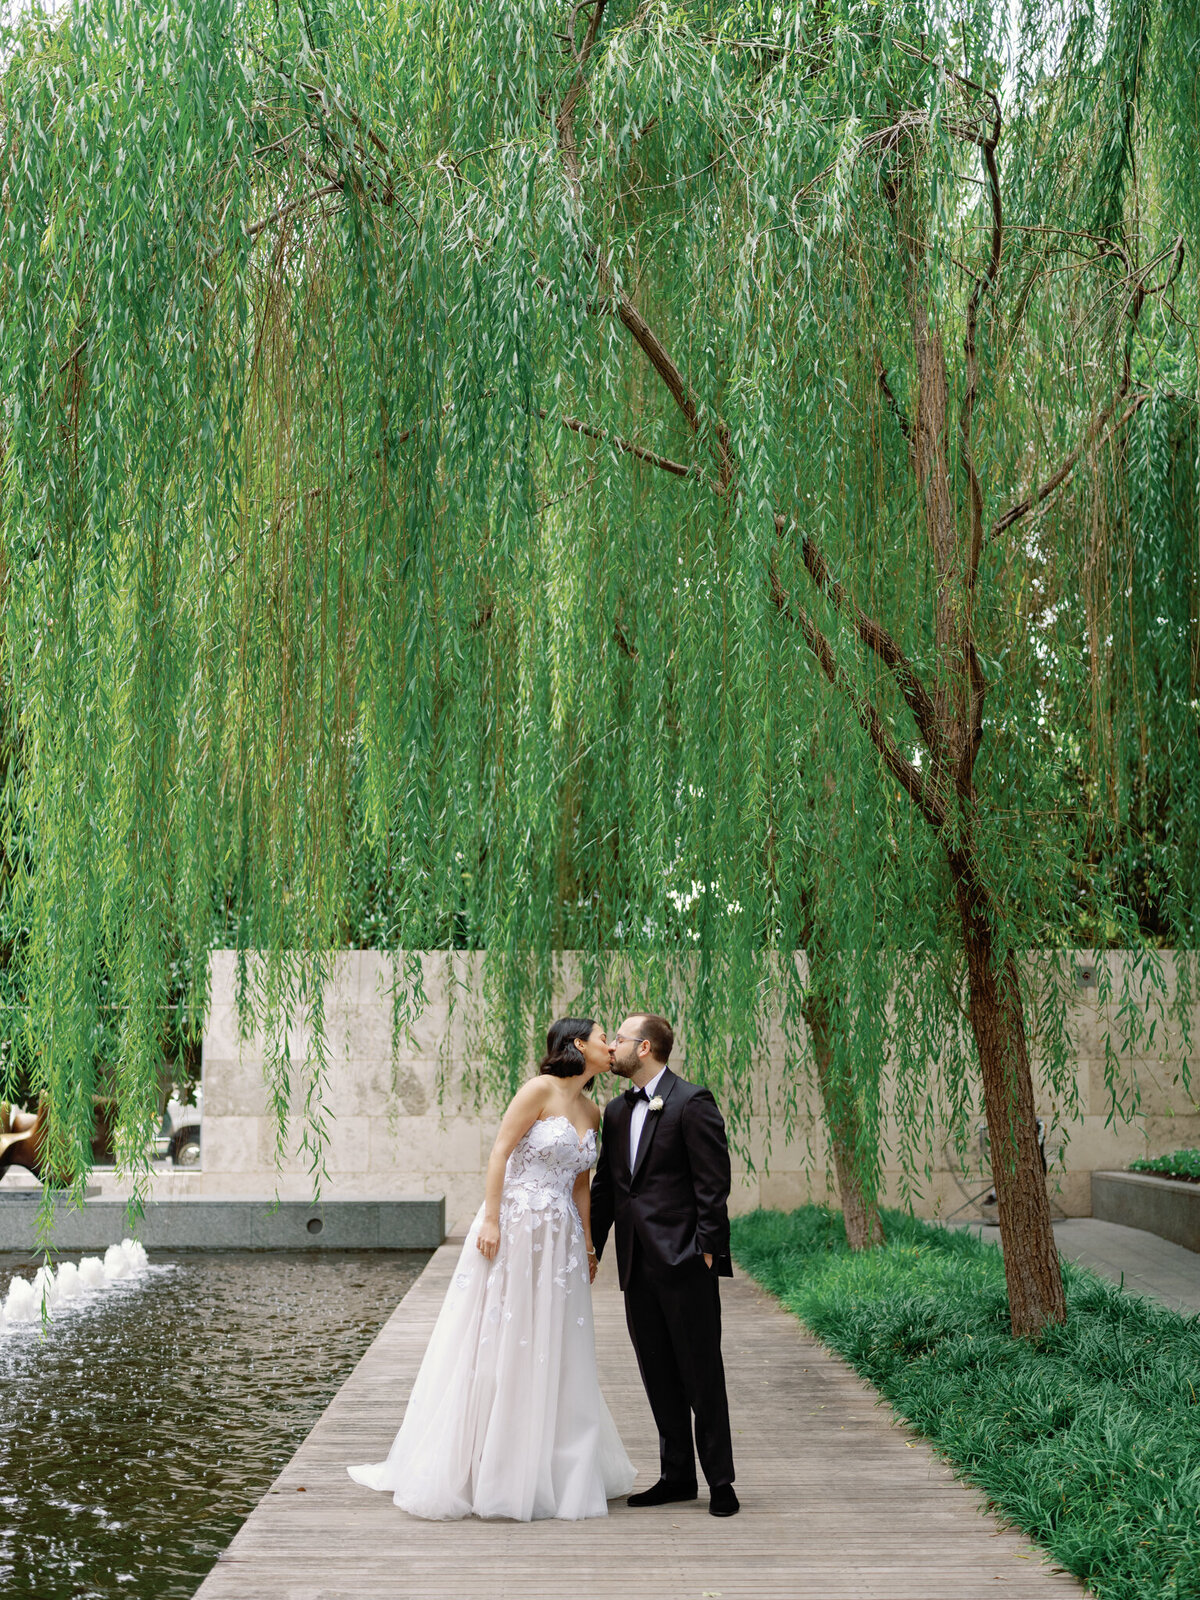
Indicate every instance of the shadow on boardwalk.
{"type": "Point", "coordinates": [838, 1499]}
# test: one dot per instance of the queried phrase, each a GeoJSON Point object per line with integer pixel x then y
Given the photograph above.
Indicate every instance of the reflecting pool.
{"type": "Point", "coordinates": [139, 1431]}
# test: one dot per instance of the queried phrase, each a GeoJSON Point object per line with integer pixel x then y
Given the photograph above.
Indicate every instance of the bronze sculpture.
{"type": "Point", "coordinates": [22, 1134]}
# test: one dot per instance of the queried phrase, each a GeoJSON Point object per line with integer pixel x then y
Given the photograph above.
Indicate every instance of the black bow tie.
{"type": "Point", "coordinates": [632, 1096]}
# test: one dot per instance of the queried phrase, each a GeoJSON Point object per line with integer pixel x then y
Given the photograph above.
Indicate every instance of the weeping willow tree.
{"type": "Point", "coordinates": [628, 472]}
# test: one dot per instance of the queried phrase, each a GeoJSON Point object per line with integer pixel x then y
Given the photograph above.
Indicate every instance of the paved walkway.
{"type": "Point", "coordinates": [839, 1501]}
{"type": "Point", "coordinates": [1143, 1262]}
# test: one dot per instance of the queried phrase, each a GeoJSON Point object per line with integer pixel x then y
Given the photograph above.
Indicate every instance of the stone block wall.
{"type": "Point", "coordinates": [389, 1136]}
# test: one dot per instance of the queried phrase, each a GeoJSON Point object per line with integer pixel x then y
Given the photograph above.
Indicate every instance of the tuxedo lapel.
{"type": "Point", "coordinates": [665, 1084]}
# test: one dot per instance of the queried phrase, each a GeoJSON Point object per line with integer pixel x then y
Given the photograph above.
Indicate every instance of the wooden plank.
{"type": "Point", "coordinates": [839, 1501]}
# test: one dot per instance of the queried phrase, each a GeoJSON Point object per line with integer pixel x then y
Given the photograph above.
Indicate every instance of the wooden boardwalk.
{"type": "Point", "coordinates": [838, 1500]}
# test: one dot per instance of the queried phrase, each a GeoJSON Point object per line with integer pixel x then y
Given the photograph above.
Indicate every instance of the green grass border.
{"type": "Point", "coordinates": [1088, 1439]}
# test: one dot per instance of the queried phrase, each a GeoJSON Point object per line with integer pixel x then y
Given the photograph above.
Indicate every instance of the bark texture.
{"type": "Point", "coordinates": [1031, 1266]}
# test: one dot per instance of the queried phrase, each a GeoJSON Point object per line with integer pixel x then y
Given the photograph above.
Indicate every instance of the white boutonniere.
{"type": "Point", "coordinates": [656, 1104]}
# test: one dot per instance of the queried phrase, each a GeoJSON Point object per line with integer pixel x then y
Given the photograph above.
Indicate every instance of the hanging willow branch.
{"type": "Point", "coordinates": [315, 632]}
{"type": "Point", "coordinates": [1138, 294]}
{"type": "Point", "coordinates": [950, 719]}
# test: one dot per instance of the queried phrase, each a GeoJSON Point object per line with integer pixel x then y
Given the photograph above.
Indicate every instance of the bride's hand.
{"type": "Point", "coordinates": [487, 1241]}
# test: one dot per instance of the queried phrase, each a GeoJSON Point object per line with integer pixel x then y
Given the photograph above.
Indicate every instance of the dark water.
{"type": "Point", "coordinates": [136, 1435]}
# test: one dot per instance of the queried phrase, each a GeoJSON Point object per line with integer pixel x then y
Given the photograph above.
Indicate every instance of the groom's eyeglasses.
{"type": "Point", "coordinates": [621, 1038]}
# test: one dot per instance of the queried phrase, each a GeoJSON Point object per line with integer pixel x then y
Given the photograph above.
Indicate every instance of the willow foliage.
{"type": "Point", "coordinates": [361, 572]}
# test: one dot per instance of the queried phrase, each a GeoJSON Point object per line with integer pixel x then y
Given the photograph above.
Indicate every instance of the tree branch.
{"type": "Point", "coordinates": [1060, 475]}
{"type": "Point", "coordinates": [621, 640]}
{"type": "Point", "coordinates": [679, 469]}
{"type": "Point", "coordinates": [876, 637]}
{"type": "Point", "coordinates": [255, 228]}
{"type": "Point", "coordinates": [644, 336]}
{"type": "Point", "coordinates": [966, 410]}
{"type": "Point", "coordinates": [894, 406]}
{"type": "Point", "coordinates": [330, 101]}
{"type": "Point", "coordinates": [909, 777]}
{"type": "Point", "coordinates": [872, 633]}
{"type": "Point", "coordinates": [966, 453]}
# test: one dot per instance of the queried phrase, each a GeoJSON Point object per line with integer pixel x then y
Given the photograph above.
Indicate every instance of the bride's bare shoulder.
{"type": "Point", "coordinates": [533, 1095]}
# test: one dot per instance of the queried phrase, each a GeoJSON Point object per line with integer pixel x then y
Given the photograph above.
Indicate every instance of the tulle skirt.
{"type": "Point", "coordinates": [506, 1418]}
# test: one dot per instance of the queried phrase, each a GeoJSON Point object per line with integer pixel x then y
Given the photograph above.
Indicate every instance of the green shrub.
{"type": "Point", "coordinates": [1179, 1164]}
{"type": "Point", "coordinates": [1088, 1439]}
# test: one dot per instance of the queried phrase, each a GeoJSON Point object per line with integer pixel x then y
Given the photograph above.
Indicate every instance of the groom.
{"type": "Point", "coordinates": [663, 1179]}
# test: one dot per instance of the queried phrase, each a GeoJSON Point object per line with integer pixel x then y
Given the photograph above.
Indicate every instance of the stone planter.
{"type": "Point", "coordinates": [1168, 1207]}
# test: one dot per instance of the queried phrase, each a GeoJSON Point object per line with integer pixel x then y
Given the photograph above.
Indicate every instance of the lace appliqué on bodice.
{"type": "Point", "coordinates": [542, 1170]}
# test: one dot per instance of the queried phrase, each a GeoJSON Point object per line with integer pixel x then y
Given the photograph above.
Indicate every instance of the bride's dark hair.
{"type": "Point", "coordinates": [563, 1058]}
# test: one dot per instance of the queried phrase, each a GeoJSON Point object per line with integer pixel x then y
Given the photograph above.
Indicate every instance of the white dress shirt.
{"type": "Point", "coordinates": [638, 1120]}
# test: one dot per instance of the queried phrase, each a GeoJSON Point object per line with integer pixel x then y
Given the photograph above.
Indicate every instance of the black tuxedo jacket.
{"type": "Point", "coordinates": [673, 1206]}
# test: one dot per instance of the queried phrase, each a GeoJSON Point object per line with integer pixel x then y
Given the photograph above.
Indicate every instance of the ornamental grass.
{"type": "Point", "coordinates": [1088, 1438]}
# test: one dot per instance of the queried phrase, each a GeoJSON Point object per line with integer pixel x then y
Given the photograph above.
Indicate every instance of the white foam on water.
{"type": "Point", "coordinates": [91, 1273]}
{"type": "Point", "coordinates": [71, 1285]}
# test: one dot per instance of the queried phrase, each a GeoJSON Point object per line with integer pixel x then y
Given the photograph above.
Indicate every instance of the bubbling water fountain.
{"type": "Point", "coordinates": [71, 1284]}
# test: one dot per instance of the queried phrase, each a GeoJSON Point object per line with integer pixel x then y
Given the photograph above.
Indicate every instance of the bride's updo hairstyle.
{"type": "Point", "coordinates": [563, 1058]}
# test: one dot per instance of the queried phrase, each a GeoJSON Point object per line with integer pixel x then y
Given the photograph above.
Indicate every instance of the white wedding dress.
{"type": "Point", "coordinates": [506, 1418]}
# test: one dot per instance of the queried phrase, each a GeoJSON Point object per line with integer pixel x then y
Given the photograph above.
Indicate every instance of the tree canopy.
{"type": "Point", "coordinates": [466, 477]}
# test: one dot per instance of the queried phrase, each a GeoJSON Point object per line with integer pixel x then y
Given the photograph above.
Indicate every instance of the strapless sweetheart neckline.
{"type": "Point", "coordinates": [558, 1116]}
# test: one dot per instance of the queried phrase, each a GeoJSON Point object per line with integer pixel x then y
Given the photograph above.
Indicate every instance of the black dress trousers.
{"type": "Point", "coordinates": [674, 1321]}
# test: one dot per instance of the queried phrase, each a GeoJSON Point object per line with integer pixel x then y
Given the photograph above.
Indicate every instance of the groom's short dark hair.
{"type": "Point", "coordinates": [659, 1035]}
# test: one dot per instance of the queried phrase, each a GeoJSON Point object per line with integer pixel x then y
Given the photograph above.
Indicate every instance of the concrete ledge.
{"type": "Point", "coordinates": [1165, 1206]}
{"type": "Point", "coordinates": [215, 1224]}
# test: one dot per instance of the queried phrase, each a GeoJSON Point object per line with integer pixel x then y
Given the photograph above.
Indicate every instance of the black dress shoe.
{"type": "Point", "coordinates": [722, 1502]}
{"type": "Point", "coordinates": [664, 1493]}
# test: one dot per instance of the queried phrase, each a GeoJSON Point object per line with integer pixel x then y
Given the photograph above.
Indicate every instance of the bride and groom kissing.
{"type": "Point", "coordinates": [506, 1417]}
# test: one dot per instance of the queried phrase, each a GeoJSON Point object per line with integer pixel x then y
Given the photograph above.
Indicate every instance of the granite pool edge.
{"type": "Point", "coordinates": [213, 1223]}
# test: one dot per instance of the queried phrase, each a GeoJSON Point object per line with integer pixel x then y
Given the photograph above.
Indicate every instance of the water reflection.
{"type": "Point", "coordinates": [139, 1433]}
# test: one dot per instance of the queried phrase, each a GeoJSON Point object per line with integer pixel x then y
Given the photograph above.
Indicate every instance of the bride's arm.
{"type": "Point", "coordinates": [523, 1111]}
{"type": "Point", "coordinates": [583, 1204]}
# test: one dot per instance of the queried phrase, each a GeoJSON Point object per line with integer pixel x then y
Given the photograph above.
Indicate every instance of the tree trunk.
{"type": "Point", "coordinates": [1031, 1265]}
{"type": "Point", "coordinates": [861, 1214]}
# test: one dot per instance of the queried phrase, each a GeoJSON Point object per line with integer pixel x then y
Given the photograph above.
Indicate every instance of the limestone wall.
{"type": "Point", "coordinates": [389, 1137]}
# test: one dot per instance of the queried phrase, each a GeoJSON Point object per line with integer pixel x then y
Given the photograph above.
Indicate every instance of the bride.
{"type": "Point", "coordinates": [506, 1418]}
